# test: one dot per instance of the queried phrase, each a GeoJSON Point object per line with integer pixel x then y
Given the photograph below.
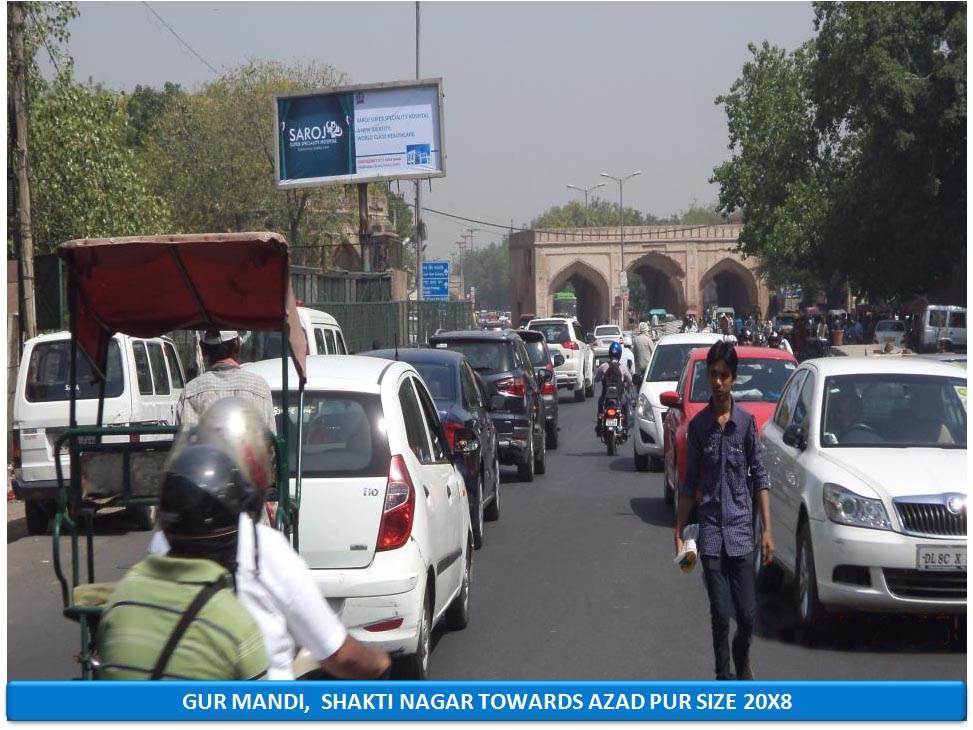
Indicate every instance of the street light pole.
{"type": "Point", "coordinates": [586, 191]}
{"type": "Point", "coordinates": [621, 220]}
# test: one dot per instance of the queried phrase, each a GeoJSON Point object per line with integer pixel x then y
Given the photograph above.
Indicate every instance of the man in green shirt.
{"type": "Point", "coordinates": [176, 616]}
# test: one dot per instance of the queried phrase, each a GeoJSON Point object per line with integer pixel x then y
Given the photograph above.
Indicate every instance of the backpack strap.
{"type": "Point", "coordinates": [192, 610]}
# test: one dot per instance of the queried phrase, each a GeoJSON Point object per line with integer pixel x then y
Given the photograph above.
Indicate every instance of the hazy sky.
{"type": "Point", "coordinates": [538, 95]}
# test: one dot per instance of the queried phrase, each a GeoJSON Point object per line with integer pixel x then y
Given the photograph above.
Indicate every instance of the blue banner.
{"type": "Point", "coordinates": [486, 701]}
{"type": "Point", "coordinates": [435, 280]}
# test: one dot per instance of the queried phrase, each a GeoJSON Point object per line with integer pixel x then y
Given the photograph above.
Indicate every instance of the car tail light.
{"type": "Point", "coordinates": [570, 345]}
{"type": "Point", "coordinates": [549, 389]}
{"type": "Point", "coordinates": [400, 507]}
{"type": "Point", "coordinates": [392, 623]}
{"type": "Point", "coordinates": [512, 386]}
{"type": "Point", "coordinates": [15, 448]}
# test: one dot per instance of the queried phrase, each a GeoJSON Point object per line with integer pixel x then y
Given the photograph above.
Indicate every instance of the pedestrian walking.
{"type": "Point", "coordinates": [224, 378]}
{"type": "Point", "coordinates": [725, 476]}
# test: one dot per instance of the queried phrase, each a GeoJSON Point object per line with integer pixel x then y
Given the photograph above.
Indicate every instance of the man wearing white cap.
{"type": "Point", "coordinates": [224, 378]}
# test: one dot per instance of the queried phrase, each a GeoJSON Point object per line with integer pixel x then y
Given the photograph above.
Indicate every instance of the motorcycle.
{"type": "Point", "coordinates": [612, 420]}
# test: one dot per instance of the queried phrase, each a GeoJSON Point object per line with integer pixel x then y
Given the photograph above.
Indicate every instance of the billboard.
{"type": "Point", "coordinates": [357, 134]}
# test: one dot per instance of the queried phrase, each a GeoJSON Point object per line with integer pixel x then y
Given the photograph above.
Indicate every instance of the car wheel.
{"type": "Point", "coordinates": [655, 463]}
{"type": "Point", "coordinates": [416, 666]}
{"type": "Point", "coordinates": [810, 612]}
{"type": "Point", "coordinates": [579, 395]}
{"type": "Point", "coordinates": [141, 516]}
{"type": "Point", "coordinates": [525, 470]}
{"type": "Point", "coordinates": [37, 517]}
{"type": "Point", "coordinates": [540, 460]}
{"type": "Point", "coordinates": [492, 511]}
{"type": "Point", "coordinates": [551, 434]}
{"type": "Point", "coordinates": [589, 389]}
{"type": "Point", "coordinates": [476, 516]}
{"type": "Point", "coordinates": [641, 461]}
{"type": "Point", "coordinates": [458, 613]}
{"type": "Point", "coordinates": [768, 578]}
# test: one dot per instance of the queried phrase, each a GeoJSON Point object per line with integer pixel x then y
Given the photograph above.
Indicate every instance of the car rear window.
{"type": "Point", "coordinates": [668, 361]}
{"type": "Point", "coordinates": [758, 380]}
{"type": "Point", "coordinates": [344, 434]}
{"type": "Point", "coordinates": [439, 378]}
{"type": "Point", "coordinates": [538, 358]}
{"type": "Point", "coordinates": [607, 332]}
{"type": "Point", "coordinates": [49, 373]}
{"type": "Point", "coordinates": [554, 332]}
{"type": "Point", "coordinates": [484, 356]}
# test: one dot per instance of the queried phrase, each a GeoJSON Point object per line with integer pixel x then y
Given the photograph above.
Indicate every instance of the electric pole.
{"type": "Point", "coordinates": [25, 248]}
{"type": "Point", "coordinates": [418, 196]}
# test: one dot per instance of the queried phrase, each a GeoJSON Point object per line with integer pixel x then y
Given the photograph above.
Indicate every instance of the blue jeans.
{"type": "Point", "coordinates": [730, 585]}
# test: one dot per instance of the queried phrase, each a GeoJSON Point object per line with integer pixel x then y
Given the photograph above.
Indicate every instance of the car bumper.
{"type": "Point", "coordinates": [550, 408]}
{"type": "Point", "coordinates": [896, 586]}
{"type": "Point", "coordinates": [648, 435]}
{"type": "Point", "coordinates": [512, 434]}
{"type": "Point", "coordinates": [571, 373]}
{"type": "Point", "coordinates": [391, 587]}
{"type": "Point", "coordinates": [42, 490]}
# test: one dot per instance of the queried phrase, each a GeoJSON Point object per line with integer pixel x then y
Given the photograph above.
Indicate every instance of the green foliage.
{"type": "Point", "coordinates": [488, 269]}
{"type": "Point", "coordinates": [45, 33]}
{"type": "Point", "coordinates": [145, 106]}
{"type": "Point", "coordinates": [599, 213]}
{"type": "Point", "coordinates": [84, 180]}
{"type": "Point", "coordinates": [849, 154]}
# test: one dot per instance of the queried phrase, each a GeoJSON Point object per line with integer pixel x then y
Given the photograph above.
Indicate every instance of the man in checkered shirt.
{"type": "Point", "coordinates": [224, 378]}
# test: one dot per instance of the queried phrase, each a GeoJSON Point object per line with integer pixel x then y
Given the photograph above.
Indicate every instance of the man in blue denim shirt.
{"type": "Point", "coordinates": [726, 476]}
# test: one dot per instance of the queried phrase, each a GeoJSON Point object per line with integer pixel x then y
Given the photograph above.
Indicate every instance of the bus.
{"type": "Point", "coordinates": [565, 304]}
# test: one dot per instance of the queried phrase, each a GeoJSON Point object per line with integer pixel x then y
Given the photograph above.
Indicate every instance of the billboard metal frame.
{"type": "Point", "coordinates": [355, 179]}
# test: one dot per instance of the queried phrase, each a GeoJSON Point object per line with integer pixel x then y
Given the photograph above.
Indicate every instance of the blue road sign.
{"type": "Point", "coordinates": [435, 281]}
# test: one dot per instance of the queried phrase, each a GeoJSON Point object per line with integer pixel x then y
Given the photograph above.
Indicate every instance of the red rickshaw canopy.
{"type": "Point", "coordinates": [145, 286]}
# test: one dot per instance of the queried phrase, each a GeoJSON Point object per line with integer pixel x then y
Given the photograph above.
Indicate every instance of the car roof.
{"type": "Point", "coordinates": [746, 352]}
{"type": "Point", "coordinates": [66, 335]}
{"type": "Point", "coordinates": [541, 320]}
{"type": "Point", "coordinates": [319, 314]}
{"type": "Point", "coordinates": [900, 364]}
{"type": "Point", "coordinates": [418, 354]}
{"type": "Point", "coordinates": [332, 372]}
{"type": "Point", "coordinates": [504, 335]}
{"type": "Point", "coordinates": [684, 338]}
{"type": "Point", "coordinates": [531, 335]}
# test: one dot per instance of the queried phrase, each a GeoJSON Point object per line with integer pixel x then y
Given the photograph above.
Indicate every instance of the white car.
{"type": "Point", "coordinates": [666, 365]}
{"type": "Point", "coordinates": [890, 330]}
{"type": "Point", "coordinates": [384, 516]}
{"type": "Point", "coordinates": [566, 336]}
{"type": "Point", "coordinates": [604, 335]}
{"type": "Point", "coordinates": [867, 465]}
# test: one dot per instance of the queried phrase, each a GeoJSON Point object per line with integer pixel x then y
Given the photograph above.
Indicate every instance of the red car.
{"type": "Point", "coordinates": [761, 375]}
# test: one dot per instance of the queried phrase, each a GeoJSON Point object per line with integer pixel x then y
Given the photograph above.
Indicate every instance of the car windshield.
{"type": "Point", "coordinates": [610, 331]}
{"type": "Point", "coordinates": [669, 360]}
{"type": "Point", "coordinates": [894, 410]}
{"type": "Point", "coordinates": [538, 358]}
{"type": "Point", "coordinates": [49, 373]}
{"type": "Point", "coordinates": [554, 332]}
{"type": "Point", "coordinates": [343, 434]}
{"type": "Point", "coordinates": [439, 379]}
{"type": "Point", "coordinates": [484, 357]}
{"type": "Point", "coordinates": [758, 380]}
{"type": "Point", "coordinates": [890, 326]}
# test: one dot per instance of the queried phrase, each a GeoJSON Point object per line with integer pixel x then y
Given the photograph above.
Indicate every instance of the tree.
{"type": "Point", "coordinates": [145, 106]}
{"type": "Point", "coordinates": [599, 213]}
{"type": "Point", "coordinates": [488, 269]}
{"type": "Point", "coordinates": [86, 181]}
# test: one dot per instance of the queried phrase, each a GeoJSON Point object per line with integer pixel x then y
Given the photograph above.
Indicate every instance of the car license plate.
{"type": "Point", "coordinates": [611, 422]}
{"type": "Point", "coordinates": [945, 557]}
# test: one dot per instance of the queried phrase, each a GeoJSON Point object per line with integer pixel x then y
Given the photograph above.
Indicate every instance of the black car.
{"type": "Point", "coordinates": [517, 407]}
{"type": "Point", "coordinates": [463, 410]}
{"type": "Point", "coordinates": [544, 363]}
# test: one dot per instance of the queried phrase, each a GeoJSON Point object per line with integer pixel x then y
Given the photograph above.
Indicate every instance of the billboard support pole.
{"type": "Point", "coordinates": [418, 196]}
{"type": "Point", "coordinates": [366, 254]}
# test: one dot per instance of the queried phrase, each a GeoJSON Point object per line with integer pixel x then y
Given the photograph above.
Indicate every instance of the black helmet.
{"type": "Point", "coordinates": [203, 494]}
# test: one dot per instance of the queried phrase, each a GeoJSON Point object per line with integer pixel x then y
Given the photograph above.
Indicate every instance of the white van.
{"type": "Point", "coordinates": [144, 381]}
{"type": "Point", "coordinates": [324, 337]}
{"type": "Point", "coordinates": [940, 321]}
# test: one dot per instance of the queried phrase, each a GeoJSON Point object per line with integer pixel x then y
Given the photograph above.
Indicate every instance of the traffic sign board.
{"type": "Point", "coordinates": [435, 280]}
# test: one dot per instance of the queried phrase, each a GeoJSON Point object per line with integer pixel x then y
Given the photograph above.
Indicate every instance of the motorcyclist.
{"type": "Point", "coordinates": [746, 337]}
{"type": "Point", "coordinates": [614, 372]}
{"type": "Point", "coordinates": [779, 343]}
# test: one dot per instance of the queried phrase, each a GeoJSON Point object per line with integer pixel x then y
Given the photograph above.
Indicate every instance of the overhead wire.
{"type": "Point", "coordinates": [180, 38]}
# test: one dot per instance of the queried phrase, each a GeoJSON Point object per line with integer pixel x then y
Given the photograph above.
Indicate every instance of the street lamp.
{"type": "Point", "coordinates": [586, 191]}
{"type": "Point", "coordinates": [621, 214]}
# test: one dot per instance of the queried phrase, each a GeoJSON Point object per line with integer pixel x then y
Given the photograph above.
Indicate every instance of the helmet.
{"type": "Point", "coordinates": [234, 425]}
{"type": "Point", "coordinates": [203, 493]}
{"type": "Point", "coordinates": [746, 336]}
{"type": "Point", "coordinates": [773, 339]}
{"type": "Point", "coordinates": [615, 351]}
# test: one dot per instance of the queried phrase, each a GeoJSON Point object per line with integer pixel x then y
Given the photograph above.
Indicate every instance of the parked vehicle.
{"type": "Point", "coordinates": [144, 381]}
{"type": "Point", "coordinates": [544, 363]}
{"type": "Point", "coordinates": [666, 365]}
{"type": "Point", "coordinates": [567, 337]}
{"type": "Point", "coordinates": [867, 461]}
{"type": "Point", "coordinates": [464, 412]}
{"type": "Point", "coordinates": [516, 405]}
{"type": "Point", "coordinates": [937, 322]}
{"type": "Point", "coordinates": [890, 330]}
{"type": "Point", "coordinates": [324, 337]}
{"type": "Point", "coordinates": [385, 519]}
{"type": "Point", "coordinates": [761, 375]}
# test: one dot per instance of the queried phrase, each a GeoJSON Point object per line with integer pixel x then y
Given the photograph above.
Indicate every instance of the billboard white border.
{"type": "Point", "coordinates": [319, 182]}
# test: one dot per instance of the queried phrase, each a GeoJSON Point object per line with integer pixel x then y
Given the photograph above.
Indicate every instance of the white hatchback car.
{"type": "Point", "coordinates": [666, 365]}
{"type": "Point", "coordinates": [384, 518]}
{"type": "Point", "coordinates": [867, 466]}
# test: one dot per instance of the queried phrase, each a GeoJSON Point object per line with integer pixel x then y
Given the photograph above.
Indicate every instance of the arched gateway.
{"type": "Point", "coordinates": [681, 267]}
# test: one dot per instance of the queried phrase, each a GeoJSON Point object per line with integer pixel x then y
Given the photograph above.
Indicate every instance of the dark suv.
{"type": "Point", "coordinates": [501, 360]}
{"type": "Point", "coordinates": [544, 363]}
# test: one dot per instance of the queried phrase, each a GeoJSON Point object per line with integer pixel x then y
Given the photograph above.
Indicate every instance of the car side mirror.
{"type": "Point", "coordinates": [671, 399]}
{"type": "Point", "coordinates": [497, 402]}
{"type": "Point", "coordinates": [558, 359]}
{"type": "Point", "coordinates": [794, 437]}
{"type": "Point", "coordinates": [545, 376]}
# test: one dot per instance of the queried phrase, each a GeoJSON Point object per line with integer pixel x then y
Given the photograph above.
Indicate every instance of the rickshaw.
{"type": "Point", "coordinates": [146, 286]}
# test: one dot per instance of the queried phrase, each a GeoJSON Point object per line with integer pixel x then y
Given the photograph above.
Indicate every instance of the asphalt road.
{"type": "Point", "coordinates": [575, 581]}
